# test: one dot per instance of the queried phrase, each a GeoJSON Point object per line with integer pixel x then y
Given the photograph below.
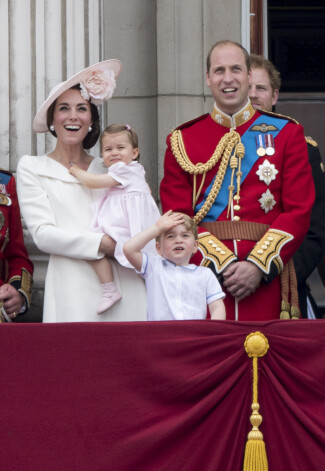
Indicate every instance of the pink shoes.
{"type": "Point", "coordinates": [110, 295]}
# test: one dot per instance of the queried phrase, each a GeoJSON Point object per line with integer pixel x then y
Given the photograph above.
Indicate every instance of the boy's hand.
{"type": "Point", "coordinates": [168, 221]}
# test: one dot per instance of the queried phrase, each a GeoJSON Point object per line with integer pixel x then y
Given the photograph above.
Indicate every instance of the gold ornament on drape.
{"type": "Point", "coordinates": [256, 345]}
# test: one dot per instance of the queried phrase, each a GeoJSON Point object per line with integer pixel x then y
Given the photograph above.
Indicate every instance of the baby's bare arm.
{"type": "Point", "coordinates": [91, 180]}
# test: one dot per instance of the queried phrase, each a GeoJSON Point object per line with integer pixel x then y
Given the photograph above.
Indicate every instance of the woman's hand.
{"type": "Point", "coordinates": [107, 245]}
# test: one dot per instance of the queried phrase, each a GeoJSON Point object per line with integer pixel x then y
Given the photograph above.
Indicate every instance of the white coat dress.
{"type": "Point", "coordinates": [57, 211]}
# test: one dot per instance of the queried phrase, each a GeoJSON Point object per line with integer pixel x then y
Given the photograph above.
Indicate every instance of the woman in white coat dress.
{"type": "Point", "coordinates": [58, 209]}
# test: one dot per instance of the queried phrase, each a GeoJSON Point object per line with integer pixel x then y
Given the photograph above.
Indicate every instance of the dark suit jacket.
{"type": "Point", "coordinates": [309, 254]}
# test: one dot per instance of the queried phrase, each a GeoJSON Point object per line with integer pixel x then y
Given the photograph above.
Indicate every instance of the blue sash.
{"type": "Point", "coordinates": [248, 139]}
{"type": "Point", "coordinates": [4, 178]}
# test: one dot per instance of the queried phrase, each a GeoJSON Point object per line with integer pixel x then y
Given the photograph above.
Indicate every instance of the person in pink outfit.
{"type": "Point", "coordinates": [127, 206]}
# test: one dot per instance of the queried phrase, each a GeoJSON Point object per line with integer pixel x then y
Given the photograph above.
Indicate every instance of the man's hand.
{"type": "Point", "coordinates": [12, 300]}
{"type": "Point", "coordinates": [241, 279]}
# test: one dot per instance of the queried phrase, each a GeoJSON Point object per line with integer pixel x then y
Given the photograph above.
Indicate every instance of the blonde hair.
{"type": "Point", "coordinates": [117, 128]}
{"type": "Point", "coordinates": [190, 225]}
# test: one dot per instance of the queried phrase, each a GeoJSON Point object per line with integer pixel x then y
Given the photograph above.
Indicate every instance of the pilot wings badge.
{"type": "Point", "coordinates": [263, 127]}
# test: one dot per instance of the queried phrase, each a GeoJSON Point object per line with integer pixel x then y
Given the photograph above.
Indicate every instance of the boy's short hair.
{"type": "Point", "coordinates": [189, 224]}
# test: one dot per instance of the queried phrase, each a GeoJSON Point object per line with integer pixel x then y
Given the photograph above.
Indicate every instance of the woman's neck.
{"type": "Point", "coordinates": [66, 154]}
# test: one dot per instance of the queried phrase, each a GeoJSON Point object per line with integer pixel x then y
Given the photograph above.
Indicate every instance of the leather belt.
{"type": "Point", "coordinates": [230, 230]}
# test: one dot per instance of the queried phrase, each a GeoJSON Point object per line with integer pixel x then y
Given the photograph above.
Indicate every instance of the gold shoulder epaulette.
{"type": "Point", "coordinates": [311, 141]}
{"type": "Point", "coordinates": [278, 115]}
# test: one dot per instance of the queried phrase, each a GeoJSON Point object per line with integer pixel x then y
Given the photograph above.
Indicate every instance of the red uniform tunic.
{"type": "Point", "coordinates": [15, 265]}
{"type": "Point", "coordinates": [283, 202]}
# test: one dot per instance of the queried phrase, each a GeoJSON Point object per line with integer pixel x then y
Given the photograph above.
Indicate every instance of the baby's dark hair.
{"type": "Point", "coordinates": [189, 224]}
{"type": "Point", "coordinates": [117, 128]}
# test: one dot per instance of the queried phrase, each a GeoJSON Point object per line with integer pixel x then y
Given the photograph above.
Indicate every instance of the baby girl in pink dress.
{"type": "Point", "coordinates": [127, 207]}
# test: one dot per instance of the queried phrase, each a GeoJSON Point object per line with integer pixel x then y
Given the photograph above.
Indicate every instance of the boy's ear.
{"type": "Point", "coordinates": [158, 248]}
{"type": "Point", "coordinates": [196, 246]}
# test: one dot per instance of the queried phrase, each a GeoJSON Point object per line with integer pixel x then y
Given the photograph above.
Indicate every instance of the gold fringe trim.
{"type": "Point", "coordinates": [256, 345]}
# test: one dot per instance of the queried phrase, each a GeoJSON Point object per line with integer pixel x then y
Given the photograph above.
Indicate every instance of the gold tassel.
{"type": "Point", "coordinates": [240, 151]}
{"type": "Point", "coordinates": [256, 345]}
{"type": "Point", "coordinates": [235, 162]}
{"type": "Point", "coordinates": [231, 187]}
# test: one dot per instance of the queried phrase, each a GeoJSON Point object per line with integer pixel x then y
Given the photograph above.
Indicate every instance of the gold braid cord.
{"type": "Point", "coordinates": [289, 306]}
{"type": "Point", "coordinates": [223, 151]}
{"type": "Point", "coordinates": [256, 345]}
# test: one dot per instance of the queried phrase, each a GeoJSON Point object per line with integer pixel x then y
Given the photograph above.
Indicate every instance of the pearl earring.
{"type": "Point", "coordinates": [52, 127]}
{"type": "Point", "coordinates": [90, 129]}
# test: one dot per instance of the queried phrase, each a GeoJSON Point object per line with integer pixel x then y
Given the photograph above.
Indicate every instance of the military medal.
{"type": "Point", "coordinates": [260, 150]}
{"type": "Point", "coordinates": [267, 201]}
{"type": "Point", "coordinates": [267, 172]}
{"type": "Point", "coordinates": [5, 200]}
{"type": "Point", "coordinates": [269, 144]}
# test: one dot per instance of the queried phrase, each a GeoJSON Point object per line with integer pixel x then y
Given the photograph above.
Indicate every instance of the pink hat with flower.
{"type": "Point", "coordinates": [97, 84]}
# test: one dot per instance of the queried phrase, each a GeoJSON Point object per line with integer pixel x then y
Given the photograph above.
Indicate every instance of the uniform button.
{"type": "Point", "coordinates": [223, 252]}
{"type": "Point", "coordinates": [236, 218]}
{"type": "Point", "coordinates": [260, 251]}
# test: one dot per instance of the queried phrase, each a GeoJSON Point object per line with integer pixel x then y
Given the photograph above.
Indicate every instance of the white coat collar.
{"type": "Point", "coordinates": [48, 167]}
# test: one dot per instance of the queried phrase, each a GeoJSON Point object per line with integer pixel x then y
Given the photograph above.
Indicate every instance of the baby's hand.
{"type": "Point", "coordinates": [169, 220]}
{"type": "Point", "coordinates": [73, 168]}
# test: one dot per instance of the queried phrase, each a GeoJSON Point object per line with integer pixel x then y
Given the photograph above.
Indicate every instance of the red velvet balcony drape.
{"type": "Point", "coordinates": [159, 396]}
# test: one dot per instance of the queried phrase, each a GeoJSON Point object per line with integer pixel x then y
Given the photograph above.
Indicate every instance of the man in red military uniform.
{"type": "Point", "coordinates": [244, 176]}
{"type": "Point", "coordinates": [16, 269]}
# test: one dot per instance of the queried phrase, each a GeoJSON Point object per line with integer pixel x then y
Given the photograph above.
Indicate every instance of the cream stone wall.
{"type": "Point", "coordinates": [163, 47]}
